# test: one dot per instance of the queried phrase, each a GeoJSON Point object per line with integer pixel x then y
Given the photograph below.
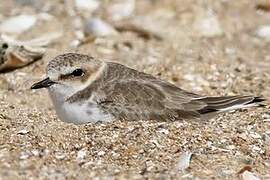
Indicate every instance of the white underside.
{"type": "Point", "coordinates": [80, 113]}
{"type": "Point", "coordinates": [77, 113]}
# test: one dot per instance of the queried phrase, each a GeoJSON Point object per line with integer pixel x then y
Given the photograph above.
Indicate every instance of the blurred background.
{"type": "Point", "coordinates": [204, 46]}
{"type": "Point", "coordinates": [201, 42]}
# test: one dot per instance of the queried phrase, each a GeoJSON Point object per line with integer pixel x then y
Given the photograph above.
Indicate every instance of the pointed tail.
{"type": "Point", "coordinates": [228, 103]}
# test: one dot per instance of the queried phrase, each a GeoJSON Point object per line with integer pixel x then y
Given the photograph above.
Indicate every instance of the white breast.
{"type": "Point", "coordinates": [78, 113]}
{"type": "Point", "coordinates": [81, 113]}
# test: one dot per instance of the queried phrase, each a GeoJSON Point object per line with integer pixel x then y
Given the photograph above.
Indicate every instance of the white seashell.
{"type": "Point", "coordinates": [98, 28]}
{"type": "Point", "coordinates": [247, 175]}
{"type": "Point", "coordinates": [184, 161]}
{"type": "Point", "coordinates": [263, 31]}
{"type": "Point", "coordinates": [60, 156]}
{"type": "Point", "coordinates": [81, 155]}
{"type": "Point", "coordinates": [101, 153]}
{"type": "Point", "coordinates": [23, 132]}
{"type": "Point", "coordinates": [17, 24]}
{"type": "Point", "coordinates": [89, 5]}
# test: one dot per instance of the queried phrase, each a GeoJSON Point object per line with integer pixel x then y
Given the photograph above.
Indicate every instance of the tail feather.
{"type": "Point", "coordinates": [222, 104]}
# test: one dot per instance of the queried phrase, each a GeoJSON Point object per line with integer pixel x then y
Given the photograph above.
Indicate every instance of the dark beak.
{"type": "Point", "coordinates": [43, 84]}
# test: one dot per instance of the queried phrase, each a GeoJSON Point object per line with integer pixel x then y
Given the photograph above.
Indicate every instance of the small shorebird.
{"type": "Point", "coordinates": [84, 89]}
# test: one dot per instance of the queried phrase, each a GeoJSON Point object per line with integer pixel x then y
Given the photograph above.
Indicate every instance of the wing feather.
{"type": "Point", "coordinates": [133, 99]}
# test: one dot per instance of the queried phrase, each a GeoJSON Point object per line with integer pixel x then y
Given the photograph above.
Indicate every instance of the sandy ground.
{"type": "Point", "coordinates": [35, 144]}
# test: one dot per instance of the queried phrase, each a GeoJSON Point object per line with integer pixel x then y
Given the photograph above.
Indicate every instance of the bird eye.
{"type": "Point", "coordinates": [4, 45]}
{"type": "Point", "coordinates": [77, 72]}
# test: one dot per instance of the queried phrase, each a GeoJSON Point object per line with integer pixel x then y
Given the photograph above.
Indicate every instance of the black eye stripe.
{"type": "Point", "coordinates": [78, 72]}
{"type": "Point", "coordinates": [4, 45]}
{"type": "Point", "coordinates": [75, 73]}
